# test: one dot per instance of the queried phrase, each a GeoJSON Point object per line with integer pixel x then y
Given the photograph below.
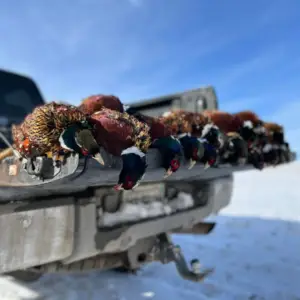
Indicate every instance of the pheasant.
{"type": "Point", "coordinates": [163, 140]}
{"type": "Point", "coordinates": [123, 135]}
{"type": "Point", "coordinates": [55, 130]}
{"type": "Point", "coordinates": [95, 103]}
{"type": "Point", "coordinates": [196, 134]}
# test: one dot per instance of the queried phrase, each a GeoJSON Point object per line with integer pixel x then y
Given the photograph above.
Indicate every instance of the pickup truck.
{"type": "Point", "coordinates": [78, 223]}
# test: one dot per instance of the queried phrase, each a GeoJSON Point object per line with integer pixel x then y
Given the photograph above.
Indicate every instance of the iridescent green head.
{"type": "Point", "coordinates": [79, 138]}
{"type": "Point", "coordinates": [171, 153]}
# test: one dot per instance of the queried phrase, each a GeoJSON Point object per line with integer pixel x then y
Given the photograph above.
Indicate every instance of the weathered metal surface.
{"type": "Point", "coordinates": [99, 262]}
{"type": "Point", "coordinates": [97, 176]}
{"type": "Point", "coordinates": [200, 228]}
{"type": "Point", "coordinates": [146, 192]}
{"type": "Point", "coordinates": [35, 237]}
{"type": "Point", "coordinates": [90, 242]}
{"type": "Point", "coordinates": [222, 190]}
{"type": "Point", "coordinates": [121, 238]}
{"type": "Point", "coordinates": [70, 233]}
{"type": "Point", "coordinates": [85, 231]}
{"type": "Point", "coordinates": [13, 173]}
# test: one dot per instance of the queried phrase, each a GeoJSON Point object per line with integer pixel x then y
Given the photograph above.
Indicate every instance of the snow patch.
{"type": "Point", "coordinates": [10, 289]}
{"type": "Point", "coordinates": [183, 201]}
{"type": "Point", "coordinates": [130, 212]}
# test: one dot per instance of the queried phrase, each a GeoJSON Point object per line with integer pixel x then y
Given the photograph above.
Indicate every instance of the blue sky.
{"type": "Point", "coordinates": [249, 50]}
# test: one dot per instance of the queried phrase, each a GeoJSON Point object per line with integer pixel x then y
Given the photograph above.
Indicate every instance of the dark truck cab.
{"type": "Point", "coordinates": [19, 95]}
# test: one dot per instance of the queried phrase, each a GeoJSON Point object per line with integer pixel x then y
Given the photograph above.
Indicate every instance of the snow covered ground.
{"type": "Point", "coordinates": [255, 249]}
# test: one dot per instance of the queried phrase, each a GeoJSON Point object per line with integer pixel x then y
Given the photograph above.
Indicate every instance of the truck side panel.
{"type": "Point", "coordinates": [36, 237]}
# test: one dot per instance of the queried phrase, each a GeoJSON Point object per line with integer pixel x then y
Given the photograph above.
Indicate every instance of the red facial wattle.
{"type": "Point", "coordinates": [195, 154]}
{"type": "Point", "coordinates": [84, 152]}
{"type": "Point", "coordinates": [174, 165]}
{"type": "Point", "coordinates": [118, 187]}
{"type": "Point", "coordinates": [128, 184]}
{"type": "Point", "coordinates": [211, 161]}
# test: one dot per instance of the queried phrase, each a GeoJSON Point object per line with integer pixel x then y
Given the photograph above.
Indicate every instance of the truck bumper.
{"type": "Point", "coordinates": [70, 231]}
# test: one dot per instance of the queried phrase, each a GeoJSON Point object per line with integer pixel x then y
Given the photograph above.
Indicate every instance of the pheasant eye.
{"type": "Point", "coordinates": [175, 164]}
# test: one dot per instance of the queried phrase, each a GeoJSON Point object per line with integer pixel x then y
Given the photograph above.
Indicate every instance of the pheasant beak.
{"type": "Point", "coordinates": [99, 159]}
{"type": "Point", "coordinates": [192, 164]}
{"type": "Point", "coordinates": [207, 166]}
{"type": "Point", "coordinates": [242, 161]}
{"type": "Point", "coordinates": [118, 187]}
{"type": "Point", "coordinates": [220, 142]}
{"type": "Point", "coordinates": [168, 173]}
